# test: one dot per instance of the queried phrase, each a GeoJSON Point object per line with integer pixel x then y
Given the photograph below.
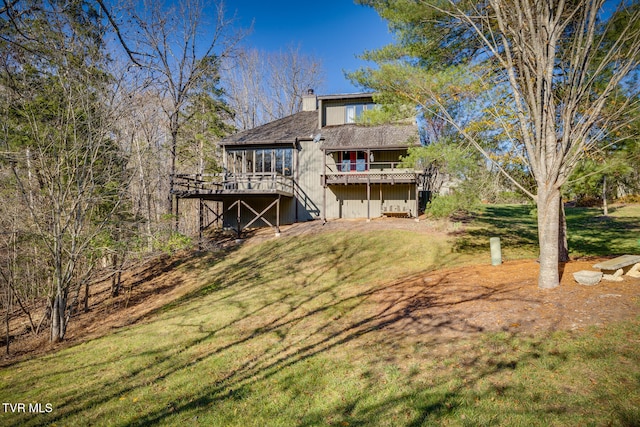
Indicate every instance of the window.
{"type": "Point", "coordinates": [284, 161]}
{"type": "Point", "coordinates": [354, 111]}
{"type": "Point", "coordinates": [274, 160]}
{"type": "Point", "coordinates": [266, 162]}
{"type": "Point", "coordinates": [355, 161]}
{"type": "Point", "coordinates": [259, 161]}
{"type": "Point", "coordinates": [288, 162]}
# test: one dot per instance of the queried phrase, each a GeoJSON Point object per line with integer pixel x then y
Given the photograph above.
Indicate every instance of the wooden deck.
{"type": "Point", "coordinates": [223, 186]}
{"type": "Point", "coordinates": [397, 176]}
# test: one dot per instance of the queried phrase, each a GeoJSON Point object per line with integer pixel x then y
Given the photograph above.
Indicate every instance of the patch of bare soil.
{"type": "Point", "coordinates": [449, 303]}
{"type": "Point", "coordinates": [466, 300]}
{"type": "Point", "coordinates": [145, 289]}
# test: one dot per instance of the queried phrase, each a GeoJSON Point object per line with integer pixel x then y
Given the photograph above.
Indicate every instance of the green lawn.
{"type": "Point", "coordinates": [291, 332]}
{"type": "Point", "coordinates": [589, 232]}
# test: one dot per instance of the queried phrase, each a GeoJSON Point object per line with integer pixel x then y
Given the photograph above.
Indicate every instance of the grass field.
{"type": "Point", "coordinates": [589, 232]}
{"type": "Point", "coordinates": [288, 333]}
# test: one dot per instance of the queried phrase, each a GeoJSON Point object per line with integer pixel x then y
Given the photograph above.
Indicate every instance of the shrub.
{"type": "Point", "coordinates": [588, 202]}
{"type": "Point", "coordinates": [511, 198]}
{"type": "Point", "coordinates": [447, 205]}
{"type": "Point", "coordinates": [629, 198]}
{"type": "Point", "coordinates": [174, 243]}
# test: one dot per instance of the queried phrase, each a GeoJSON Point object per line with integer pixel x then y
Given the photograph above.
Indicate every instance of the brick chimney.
{"type": "Point", "coordinates": [309, 101]}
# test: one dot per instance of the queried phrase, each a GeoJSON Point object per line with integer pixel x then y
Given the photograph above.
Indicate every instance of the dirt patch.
{"type": "Point", "coordinates": [467, 300]}
{"type": "Point", "coordinates": [146, 287]}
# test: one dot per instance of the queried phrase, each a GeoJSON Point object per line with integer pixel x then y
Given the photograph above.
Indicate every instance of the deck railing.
{"type": "Point", "coordinates": [266, 182]}
{"type": "Point", "coordinates": [361, 165]}
{"type": "Point", "coordinates": [196, 183]}
{"type": "Point", "coordinates": [377, 172]}
{"type": "Point", "coordinates": [258, 182]}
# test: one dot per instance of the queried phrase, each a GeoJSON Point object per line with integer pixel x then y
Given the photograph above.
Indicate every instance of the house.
{"type": "Point", "coordinates": [319, 163]}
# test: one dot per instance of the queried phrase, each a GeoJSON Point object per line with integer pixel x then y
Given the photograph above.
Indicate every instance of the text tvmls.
{"type": "Point", "coordinates": [33, 408]}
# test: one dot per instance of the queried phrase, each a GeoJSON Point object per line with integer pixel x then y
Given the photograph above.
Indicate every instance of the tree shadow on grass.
{"type": "Point", "coordinates": [589, 233]}
{"type": "Point", "coordinates": [592, 234]}
{"type": "Point", "coordinates": [513, 224]}
{"type": "Point", "coordinates": [278, 325]}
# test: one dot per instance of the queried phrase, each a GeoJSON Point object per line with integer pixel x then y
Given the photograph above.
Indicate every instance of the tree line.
{"type": "Point", "coordinates": [101, 105]}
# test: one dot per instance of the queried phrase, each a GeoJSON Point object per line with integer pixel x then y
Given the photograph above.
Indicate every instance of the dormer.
{"type": "Point", "coordinates": [336, 110]}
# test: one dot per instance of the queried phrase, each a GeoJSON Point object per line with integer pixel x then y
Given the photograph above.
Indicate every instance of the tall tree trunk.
{"type": "Point", "coordinates": [115, 283]}
{"type": "Point", "coordinates": [146, 194]}
{"type": "Point", "coordinates": [55, 319]}
{"type": "Point", "coordinates": [6, 320]}
{"type": "Point", "coordinates": [563, 244]}
{"type": "Point", "coordinates": [173, 202]}
{"type": "Point", "coordinates": [548, 234]}
{"type": "Point", "coordinates": [58, 318]}
{"type": "Point", "coordinates": [86, 297]}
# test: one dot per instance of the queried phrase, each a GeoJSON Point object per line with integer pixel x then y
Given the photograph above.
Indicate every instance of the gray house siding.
{"type": "Point", "coordinates": [333, 111]}
{"type": "Point", "coordinates": [350, 201]}
{"type": "Point", "coordinates": [398, 199]}
{"type": "Point", "coordinates": [320, 142]}
{"type": "Point", "coordinates": [387, 157]}
{"type": "Point", "coordinates": [308, 188]}
{"type": "Point", "coordinates": [334, 115]}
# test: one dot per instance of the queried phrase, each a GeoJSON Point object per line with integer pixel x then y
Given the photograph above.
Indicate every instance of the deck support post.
{"type": "Point", "coordinates": [177, 218]}
{"type": "Point", "coordinates": [324, 186]}
{"type": "Point", "coordinates": [417, 203]}
{"type": "Point", "coordinates": [368, 199]}
{"type": "Point", "coordinates": [238, 219]}
{"type": "Point", "coordinates": [368, 162]}
{"type": "Point", "coordinates": [200, 223]}
{"type": "Point", "coordinates": [278, 217]}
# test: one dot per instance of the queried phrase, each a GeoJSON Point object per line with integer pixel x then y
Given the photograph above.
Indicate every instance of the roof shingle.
{"type": "Point", "coordinates": [353, 136]}
{"type": "Point", "coordinates": [302, 125]}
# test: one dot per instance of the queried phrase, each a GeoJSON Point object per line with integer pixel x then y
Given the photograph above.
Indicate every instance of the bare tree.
{"type": "Point", "coordinates": [170, 48]}
{"type": "Point", "coordinates": [561, 64]}
{"type": "Point", "coordinates": [66, 167]}
{"type": "Point", "coordinates": [265, 86]}
{"type": "Point", "coordinates": [245, 89]}
{"type": "Point", "coordinates": [141, 130]}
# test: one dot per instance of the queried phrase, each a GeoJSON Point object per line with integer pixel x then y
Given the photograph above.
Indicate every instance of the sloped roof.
{"type": "Point", "coordinates": [342, 96]}
{"type": "Point", "coordinates": [354, 136]}
{"type": "Point", "coordinates": [302, 125]}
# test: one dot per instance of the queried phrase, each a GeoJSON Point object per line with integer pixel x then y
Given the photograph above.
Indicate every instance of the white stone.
{"type": "Point", "coordinates": [635, 271]}
{"type": "Point", "coordinates": [617, 273]}
{"type": "Point", "coordinates": [588, 278]}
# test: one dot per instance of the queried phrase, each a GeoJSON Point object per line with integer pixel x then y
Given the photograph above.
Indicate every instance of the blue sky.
{"type": "Point", "coordinates": [335, 31]}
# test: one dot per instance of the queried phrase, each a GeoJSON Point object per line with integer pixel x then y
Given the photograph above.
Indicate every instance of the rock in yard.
{"type": "Point", "coordinates": [613, 276]}
{"type": "Point", "coordinates": [588, 278]}
{"type": "Point", "coordinates": [635, 271]}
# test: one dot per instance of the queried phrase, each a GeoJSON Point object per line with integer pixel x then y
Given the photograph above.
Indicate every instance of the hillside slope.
{"type": "Point", "coordinates": [340, 328]}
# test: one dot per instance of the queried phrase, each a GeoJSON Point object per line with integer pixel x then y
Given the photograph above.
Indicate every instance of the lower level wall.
{"type": "Point", "coordinates": [350, 201]}
{"type": "Point", "coordinates": [342, 201]}
{"type": "Point", "coordinates": [258, 204]}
